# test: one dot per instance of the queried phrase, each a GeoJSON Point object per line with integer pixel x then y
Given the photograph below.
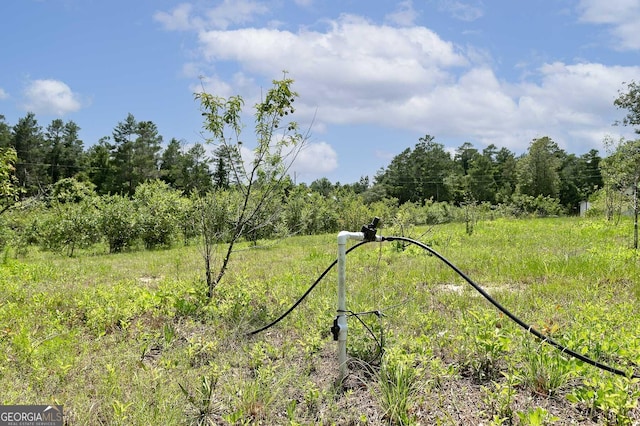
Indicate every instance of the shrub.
{"type": "Point", "coordinates": [70, 190]}
{"type": "Point", "coordinates": [540, 206]}
{"type": "Point", "coordinates": [23, 225]}
{"type": "Point", "coordinates": [158, 209]}
{"type": "Point", "coordinates": [118, 222]}
{"type": "Point", "coordinates": [70, 225]}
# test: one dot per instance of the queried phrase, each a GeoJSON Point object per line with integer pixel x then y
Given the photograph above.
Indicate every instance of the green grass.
{"type": "Point", "coordinates": [130, 339]}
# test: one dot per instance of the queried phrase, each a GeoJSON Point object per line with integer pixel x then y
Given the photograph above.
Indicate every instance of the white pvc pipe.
{"type": "Point", "coordinates": [343, 236]}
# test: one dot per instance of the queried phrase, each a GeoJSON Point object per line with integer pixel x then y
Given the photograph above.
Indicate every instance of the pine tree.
{"type": "Point", "coordinates": [28, 141]}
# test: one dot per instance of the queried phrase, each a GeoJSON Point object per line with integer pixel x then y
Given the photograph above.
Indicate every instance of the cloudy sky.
{"type": "Point", "coordinates": [373, 76]}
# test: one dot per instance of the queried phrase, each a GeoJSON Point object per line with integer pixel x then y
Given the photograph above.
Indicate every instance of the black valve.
{"type": "Point", "coordinates": [369, 231]}
{"type": "Point", "coordinates": [335, 330]}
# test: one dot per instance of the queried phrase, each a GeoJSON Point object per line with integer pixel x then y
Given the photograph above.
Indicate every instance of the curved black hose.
{"type": "Point", "coordinates": [514, 318]}
{"type": "Point", "coordinates": [379, 343]}
{"type": "Point", "coordinates": [295, 305]}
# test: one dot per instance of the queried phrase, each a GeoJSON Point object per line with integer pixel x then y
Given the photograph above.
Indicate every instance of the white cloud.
{"type": "Point", "coordinates": [586, 88]}
{"type": "Point", "coordinates": [192, 70]}
{"type": "Point", "coordinates": [409, 78]}
{"type": "Point", "coordinates": [230, 12]}
{"type": "Point", "coordinates": [215, 85]}
{"type": "Point", "coordinates": [3, 94]}
{"type": "Point", "coordinates": [50, 97]}
{"type": "Point", "coordinates": [570, 102]}
{"type": "Point", "coordinates": [611, 11]}
{"type": "Point", "coordinates": [316, 158]}
{"type": "Point", "coordinates": [350, 44]}
{"type": "Point", "coordinates": [235, 12]}
{"type": "Point", "coordinates": [404, 16]}
{"type": "Point", "coordinates": [463, 10]}
{"type": "Point", "coordinates": [178, 20]}
{"type": "Point", "coordinates": [358, 72]}
{"type": "Point", "coordinates": [353, 64]}
{"type": "Point", "coordinates": [622, 16]}
{"type": "Point", "coordinates": [313, 160]}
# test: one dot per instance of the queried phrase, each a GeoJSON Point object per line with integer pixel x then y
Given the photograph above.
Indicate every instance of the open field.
{"type": "Point", "coordinates": [130, 339]}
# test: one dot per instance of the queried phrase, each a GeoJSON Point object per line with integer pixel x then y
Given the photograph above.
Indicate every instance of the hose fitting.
{"type": "Point", "coordinates": [369, 231]}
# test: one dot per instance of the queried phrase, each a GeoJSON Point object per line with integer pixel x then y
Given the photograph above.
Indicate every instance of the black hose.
{"type": "Point", "coordinates": [295, 305]}
{"type": "Point", "coordinates": [525, 326]}
{"type": "Point", "coordinates": [514, 318]}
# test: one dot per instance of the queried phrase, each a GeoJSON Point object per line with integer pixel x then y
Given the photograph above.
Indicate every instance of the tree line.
{"type": "Point", "coordinates": [492, 175]}
{"type": "Point", "coordinates": [134, 154]}
{"type": "Point", "coordinates": [116, 164]}
{"type": "Point", "coordinates": [127, 190]}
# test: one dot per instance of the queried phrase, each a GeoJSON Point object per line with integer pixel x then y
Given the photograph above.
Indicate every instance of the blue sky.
{"type": "Point", "coordinates": [373, 76]}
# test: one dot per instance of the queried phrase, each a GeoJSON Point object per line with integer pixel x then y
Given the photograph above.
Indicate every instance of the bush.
{"type": "Point", "coordinates": [70, 225]}
{"type": "Point", "coordinates": [319, 214]}
{"type": "Point", "coordinates": [118, 222]}
{"type": "Point", "coordinates": [438, 212]}
{"type": "Point", "coordinates": [158, 209]}
{"type": "Point", "coordinates": [292, 214]}
{"type": "Point", "coordinates": [23, 225]}
{"type": "Point", "coordinates": [214, 214]}
{"type": "Point", "coordinates": [70, 190]}
{"type": "Point", "coordinates": [186, 224]}
{"type": "Point", "coordinates": [353, 212]}
{"type": "Point", "coordinates": [539, 206]}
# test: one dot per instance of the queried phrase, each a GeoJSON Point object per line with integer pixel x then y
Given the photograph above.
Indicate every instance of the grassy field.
{"type": "Point", "coordinates": [129, 338]}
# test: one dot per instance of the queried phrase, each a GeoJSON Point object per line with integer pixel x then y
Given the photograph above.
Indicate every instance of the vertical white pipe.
{"type": "Point", "coordinates": [342, 299]}
{"type": "Point", "coordinates": [342, 306]}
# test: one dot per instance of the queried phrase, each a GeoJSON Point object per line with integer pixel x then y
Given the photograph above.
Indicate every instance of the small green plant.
{"type": "Point", "coordinates": [168, 334]}
{"type": "Point", "coordinates": [261, 354]}
{"type": "Point", "coordinates": [536, 417]}
{"type": "Point", "coordinates": [311, 344]}
{"type": "Point", "coordinates": [202, 401]}
{"type": "Point", "coordinates": [499, 396]}
{"type": "Point", "coordinates": [398, 383]}
{"type": "Point", "coordinates": [158, 206]}
{"type": "Point", "coordinates": [470, 209]}
{"type": "Point", "coordinates": [70, 226]}
{"type": "Point", "coordinates": [439, 372]}
{"type": "Point", "coordinates": [484, 343]}
{"type": "Point", "coordinates": [613, 396]}
{"type": "Point", "coordinates": [367, 338]}
{"type": "Point", "coordinates": [117, 221]}
{"type": "Point", "coordinates": [257, 397]}
{"type": "Point", "coordinates": [120, 412]}
{"type": "Point", "coordinates": [311, 397]}
{"type": "Point", "coordinates": [291, 411]}
{"type": "Point", "coordinates": [545, 370]}
{"type": "Point", "coordinates": [200, 351]}
{"type": "Point", "coordinates": [185, 307]}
